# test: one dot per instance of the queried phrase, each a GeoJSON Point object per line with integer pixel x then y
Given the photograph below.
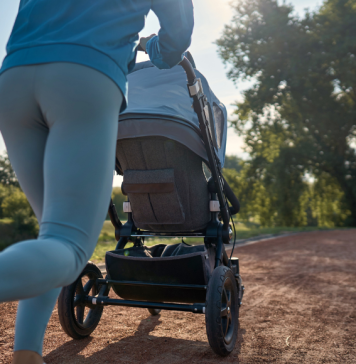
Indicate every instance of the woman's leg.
{"type": "Point", "coordinates": [80, 107]}
{"type": "Point", "coordinates": [26, 133]}
{"type": "Point", "coordinates": [32, 317]}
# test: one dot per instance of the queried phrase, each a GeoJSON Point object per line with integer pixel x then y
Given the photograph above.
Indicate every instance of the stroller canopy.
{"type": "Point", "coordinates": [160, 105]}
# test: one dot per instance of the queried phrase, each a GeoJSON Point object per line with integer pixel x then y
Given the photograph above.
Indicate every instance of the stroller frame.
{"type": "Point", "coordinates": [217, 233]}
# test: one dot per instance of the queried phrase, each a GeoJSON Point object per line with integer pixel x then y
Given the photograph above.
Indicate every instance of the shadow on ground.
{"type": "Point", "coordinates": [142, 347]}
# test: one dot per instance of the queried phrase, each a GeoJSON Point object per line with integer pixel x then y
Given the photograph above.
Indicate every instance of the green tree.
{"type": "Point", "coordinates": [118, 199]}
{"type": "Point", "coordinates": [233, 162]}
{"type": "Point", "coordinates": [271, 196]}
{"type": "Point", "coordinates": [16, 207]}
{"type": "Point", "coordinates": [327, 206]}
{"type": "Point", "coordinates": [5, 191]}
{"type": "Point", "coordinates": [299, 116]}
{"type": "Point", "coordinates": [7, 174]}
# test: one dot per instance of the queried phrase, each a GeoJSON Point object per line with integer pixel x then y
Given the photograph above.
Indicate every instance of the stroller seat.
{"type": "Point", "coordinates": [165, 184]}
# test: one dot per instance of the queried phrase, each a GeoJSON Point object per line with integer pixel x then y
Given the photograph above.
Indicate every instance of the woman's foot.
{"type": "Point", "coordinates": [26, 357]}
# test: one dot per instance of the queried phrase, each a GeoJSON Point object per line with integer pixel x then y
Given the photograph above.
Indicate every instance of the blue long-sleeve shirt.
{"type": "Point", "coordinates": [102, 34]}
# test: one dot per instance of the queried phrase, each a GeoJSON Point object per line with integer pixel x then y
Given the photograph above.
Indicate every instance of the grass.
{"type": "Point", "coordinates": [107, 240]}
{"type": "Point", "coordinates": [249, 230]}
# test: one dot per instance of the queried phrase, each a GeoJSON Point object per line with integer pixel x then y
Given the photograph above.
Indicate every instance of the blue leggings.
{"type": "Point", "coordinates": [59, 122]}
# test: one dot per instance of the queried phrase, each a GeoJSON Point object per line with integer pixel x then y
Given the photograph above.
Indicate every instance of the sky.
{"type": "Point", "coordinates": [210, 18]}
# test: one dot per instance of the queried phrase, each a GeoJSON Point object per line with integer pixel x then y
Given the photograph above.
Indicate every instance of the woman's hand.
{"type": "Point", "coordinates": [144, 40]}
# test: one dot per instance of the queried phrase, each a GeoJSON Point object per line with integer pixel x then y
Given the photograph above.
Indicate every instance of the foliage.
{"type": "Point", "coordinates": [280, 197]}
{"type": "Point", "coordinates": [233, 162]}
{"type": "Point", "coordinates": [16, 207]}
{"type": "Point", "coordinates": [325, 197]}
{"type": "Point", "coordinates": [7, 233]}
{"type": "Point", "coordinates": [298, 119]}
{"type": "Point", "coordinates": [5, 191]}
{"type": "Point", "coordinates": [118, 199]}
{"type": "Point", "coordinates": [7, 174]}
{"type": "Point", "coordinates": [17, 218]}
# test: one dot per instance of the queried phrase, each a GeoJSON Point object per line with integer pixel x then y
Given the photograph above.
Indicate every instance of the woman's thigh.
{"type": "Point", "coordinates": [59, 122]}
{"type": "Point", "coordinates": [81, 108]}
{"type": "Point", "coordinates": [61, 138]}
{"type": "Point", "coordinates": [24, 131]}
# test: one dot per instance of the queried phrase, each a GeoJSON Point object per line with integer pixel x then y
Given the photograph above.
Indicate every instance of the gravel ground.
{"type": "Point", "coordinates": [299, 307]}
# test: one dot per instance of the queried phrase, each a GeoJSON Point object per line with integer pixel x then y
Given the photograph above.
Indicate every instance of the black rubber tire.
{"type": "Point", "coordinates": [154, 311]}
{"type": "Point", "coordinates": [222, 323]}
{"type": "Point", "coordinates": [66, 310]}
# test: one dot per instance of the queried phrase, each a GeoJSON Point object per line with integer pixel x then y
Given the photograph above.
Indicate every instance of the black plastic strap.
{"type": "Point", "coordinates": [232, 198]}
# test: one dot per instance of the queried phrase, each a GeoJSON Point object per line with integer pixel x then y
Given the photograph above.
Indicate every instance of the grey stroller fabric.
{"type": "Point", "coordinates": [160, 150]}
{"type": "Point", "coordinates": [156, 95]}
{"type": "Point", "coordinates": [153, 196]}
{"type": "Point", "coordinates": [151, 126]}
{"type": "Point", "coordinates": [160, 160]}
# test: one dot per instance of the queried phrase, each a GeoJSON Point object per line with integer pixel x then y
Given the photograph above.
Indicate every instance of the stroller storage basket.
{"type": "Point", "coordinates": [168, 273]}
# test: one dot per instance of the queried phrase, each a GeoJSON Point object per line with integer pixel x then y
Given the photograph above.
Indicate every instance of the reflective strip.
{"type": "Point", "coordinates": [214, 206]}
{"type": "Point", "coordinates": [127, 207]}
{"type": "Point", "coordinates": [196, 88]}
{"type": "Point", "coordinates": [206, 112]}
{"type": "Point", "coordinates": [93, 301]}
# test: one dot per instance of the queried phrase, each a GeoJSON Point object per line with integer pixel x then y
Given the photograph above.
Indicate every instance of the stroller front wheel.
{"type": "Point", "coordinates": [154, 311]}
{"type": "Point", "coordinates": [222, 311]}
{"type": "Point", "coordinates": [77, 318]}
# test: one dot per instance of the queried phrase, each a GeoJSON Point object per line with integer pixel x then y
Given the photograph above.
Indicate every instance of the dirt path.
{"type": "Point", "coordinates": [299, 307]}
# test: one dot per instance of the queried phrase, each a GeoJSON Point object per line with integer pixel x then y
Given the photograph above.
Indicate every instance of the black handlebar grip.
{"type": "Point", "coordinates": [189, 70]}
{"type": "Point", "coordinates": [232, 198]}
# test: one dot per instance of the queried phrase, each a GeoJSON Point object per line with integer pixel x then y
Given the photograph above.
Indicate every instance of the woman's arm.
{"type": "Point", "coordinates": [177, 20]}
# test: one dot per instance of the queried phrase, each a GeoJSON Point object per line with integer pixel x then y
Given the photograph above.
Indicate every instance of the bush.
{"type": "Point", "coordinates": [7, 233]}
{"type": "Point", "coordinates": [5, 191]}
{"type": "Point", "coordinates": [16, 207]}
{"type": "Point", "coordinates": [7, 174]}
{"type": "Point", "coordinates": [118, 199]}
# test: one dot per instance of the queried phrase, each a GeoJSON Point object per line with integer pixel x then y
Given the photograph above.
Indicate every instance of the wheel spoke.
{"type": "Point", "coordinates": [88, 286]}
{"type": "Point", "coordinates": [80, 314]}
{"type": "Point", "coordinates": [223, 312]}
{"type": "Point", "coordinates": [228, 320]}
{"type": "Point", "coordinates": [228, 303]}
{"type": "Point", "coordinates": [224, 295]}
{"type": "Point", "coordinates": [77, 301]}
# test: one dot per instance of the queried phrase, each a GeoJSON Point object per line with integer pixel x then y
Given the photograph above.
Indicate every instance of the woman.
{"type": "Point", "coordinates": [62, 86]}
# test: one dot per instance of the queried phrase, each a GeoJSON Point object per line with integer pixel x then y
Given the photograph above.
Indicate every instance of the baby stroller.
{"type": "Point", "coordinates": [169, 131]}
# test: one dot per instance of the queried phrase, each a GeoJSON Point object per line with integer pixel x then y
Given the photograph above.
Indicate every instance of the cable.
{"type": "Point", "coordinates": [233, 247]}
{"type": "Point", "coordinates": [233, 225]}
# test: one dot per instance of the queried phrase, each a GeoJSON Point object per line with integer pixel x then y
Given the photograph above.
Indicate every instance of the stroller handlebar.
{"type": "Point", "coordinates": [187, 66]}
{"type": "Point", "coordinates": [189, 70]}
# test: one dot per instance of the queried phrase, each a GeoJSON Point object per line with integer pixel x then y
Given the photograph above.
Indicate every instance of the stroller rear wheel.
{"type": "Point", "coordinates": [222, 311]}
{"type": "Point", "coordinates": [77, 317]}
